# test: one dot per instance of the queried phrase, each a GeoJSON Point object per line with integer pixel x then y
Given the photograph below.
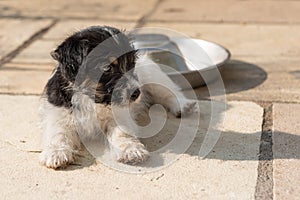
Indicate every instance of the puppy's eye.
{"type": "Point", "coordinates": [107, 68]}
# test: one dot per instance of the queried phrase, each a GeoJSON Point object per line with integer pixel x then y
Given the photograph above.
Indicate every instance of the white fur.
{"type": "Point", "coordinates": [127, 148]}
{"type": "Point", "coordinates": [60, 141]}
{"type": "Point", "coordinates": [163, 91]}
{"type": "Point", "coordinates": [85, 116]}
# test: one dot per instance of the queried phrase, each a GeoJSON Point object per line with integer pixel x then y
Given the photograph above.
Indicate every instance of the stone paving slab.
{"type": "Point", "coordinates": [30, 66]}
{"type": "Point", "coordinates": [14, 32]}
{"type": "Point", "coordinates": [39, 52]}
{"type": "Point", "coordinates": [229, 172]}
{"type": "Point", "coordinates": [259, 82]}
{"type": "Point", "coordinates": [268, 79]}
{"type": "Point", "coordinates": [65, 28]}
{"type": "Point", "coordinates": [255, 11]}
{"type": "Point", "coordinates": [251, 40]}
{"type": "Point", "coordinates": [18, 81]}
{"type": "Point", "coordinates": [258, 71]}
{"type": "Point", "coordinates": [121, 10]}
{"type": "Point", "coordinates": [286, 151]}
{"type": "Point", "coordinates": [19, 121]}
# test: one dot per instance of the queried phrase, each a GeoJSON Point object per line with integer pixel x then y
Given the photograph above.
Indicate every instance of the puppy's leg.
{"type": "Point", "coordinates": [172, 100]}
{"type": "Point", "coordinates": [60, 140]}
{"type": "Point", "coordinates": [160, 89]}
{"type": "Point", "coordinates": [127, 148]}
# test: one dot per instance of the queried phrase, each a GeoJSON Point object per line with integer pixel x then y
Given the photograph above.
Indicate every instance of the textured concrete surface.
{"type": "Point", "coordinates": [286, 150]}
{"type": "Point", "coordinates": [259, 82]}
{"type": "Point", "coordinates": [14, 32]}
{"type": "Point", "coordinates": [22, 81]}
{"type": "Point", "coordinates": [66, 27]}
{"type": "Point", "coordinates": [263, 37]}
{"type": "Point", "coordinates": [95, 9]}
{"type": "Point", "coordinates": [254, 11]}
{"type": "Point", "coordinates": [228, 172]}
{"type": "Point", "coordinates": [251, 40]}
{"type": "Point", "coordinates": [263, 68]}
{"type": "Point", "coordinates": [39, 51]}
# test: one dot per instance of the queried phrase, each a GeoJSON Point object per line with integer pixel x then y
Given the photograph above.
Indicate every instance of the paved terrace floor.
{"type": "Point", "coordinates": [258, 153]}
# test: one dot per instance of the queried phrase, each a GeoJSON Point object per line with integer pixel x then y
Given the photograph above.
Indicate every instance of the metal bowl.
{"type": "Point", "coordinates": [198, 61]}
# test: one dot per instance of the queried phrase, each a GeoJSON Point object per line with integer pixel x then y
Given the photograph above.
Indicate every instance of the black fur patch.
{"type": "Point", "coordinates": [81, 59]}
{"type": "Point", "coordinates": [58, 90]}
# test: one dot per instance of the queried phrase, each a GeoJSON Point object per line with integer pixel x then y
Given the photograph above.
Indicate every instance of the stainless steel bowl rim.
{"type": "Point", "coordinates": [212, 67]}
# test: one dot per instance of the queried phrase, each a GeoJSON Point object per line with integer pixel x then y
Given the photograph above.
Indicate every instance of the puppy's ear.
{"type": "Point", "coordinates": [54, 55]}
{"type": "Point", "coordinates": [70, 51]}
{"type": "Point", "coordinates": [70, 54]}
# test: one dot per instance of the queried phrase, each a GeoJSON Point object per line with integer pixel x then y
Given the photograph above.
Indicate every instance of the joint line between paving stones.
{"type": "Point", "coordinates": [205, 21]}
{"type": "Point", "coordinates": [108, 19]}
{"type": "Point", "coordinates": [142, 21]}
{"type": "Point", "coordinates": [264, 184]}
{"type": "Point", "coordinates": [263, 103]}
{"type": "Point", "coordinates": [20, 94]}
{"type": "Point", "coordinates": [33, 38]}
{"type": "Point", "coordinates": [104, 19]}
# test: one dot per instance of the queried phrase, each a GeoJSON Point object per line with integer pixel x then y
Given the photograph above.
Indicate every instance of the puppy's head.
{"type": "Point", "coordinates": [100, 56]}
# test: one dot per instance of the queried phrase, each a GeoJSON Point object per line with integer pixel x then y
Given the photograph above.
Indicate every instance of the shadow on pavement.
{"type": "Point", "coordinates": [237, 76]}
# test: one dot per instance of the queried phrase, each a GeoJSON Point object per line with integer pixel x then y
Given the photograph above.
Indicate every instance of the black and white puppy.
{"type": "Point", "coordinates": [98, 68]}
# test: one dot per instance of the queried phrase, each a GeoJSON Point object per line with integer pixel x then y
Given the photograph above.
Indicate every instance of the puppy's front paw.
{"type": "Point", "coordinates": [133, 154]}
{"type": "Point", "coordinates": [56, 158]}
{"type": "Point", "coordinates": [184, 107]}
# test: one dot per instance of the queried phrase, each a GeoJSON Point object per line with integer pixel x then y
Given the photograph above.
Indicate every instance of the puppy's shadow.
{"type": "Point", "coordinates": [83, 159]}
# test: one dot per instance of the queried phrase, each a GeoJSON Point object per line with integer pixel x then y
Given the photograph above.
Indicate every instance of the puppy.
{"type": "Point", "coordinates": [97, 70]}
